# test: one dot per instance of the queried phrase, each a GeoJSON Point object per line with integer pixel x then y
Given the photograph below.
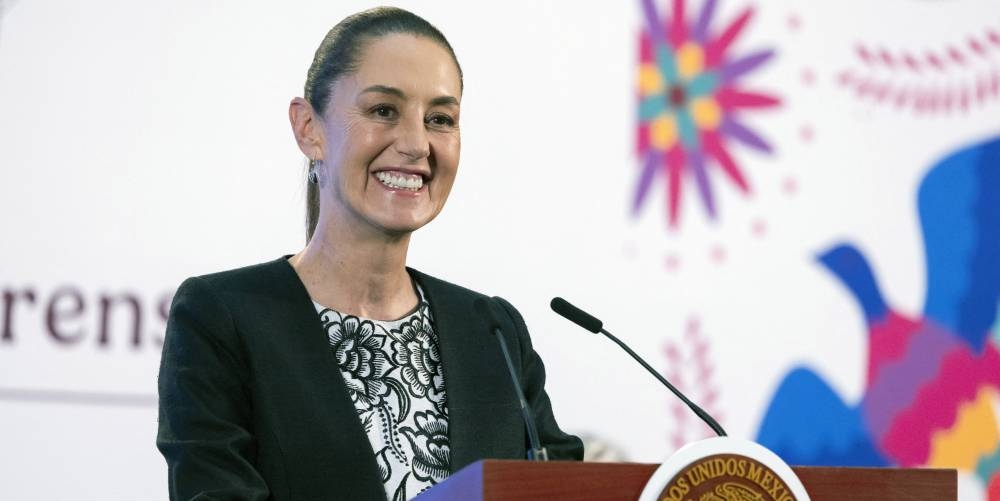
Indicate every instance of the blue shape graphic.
{"type": "Point", "coordinates": [959, 204]}
{"type": "Point", "coordinates": [806, 421]}
{"type": "Point", "coordinates": [808, 424]}
{"type": "Point", "coordinates": [850, 266]}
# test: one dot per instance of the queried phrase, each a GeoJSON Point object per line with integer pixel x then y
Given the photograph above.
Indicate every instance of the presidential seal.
{"type": "Point", "coordinates": [724, 469]}
{"type": "Point", "coordinates": [726, 477]}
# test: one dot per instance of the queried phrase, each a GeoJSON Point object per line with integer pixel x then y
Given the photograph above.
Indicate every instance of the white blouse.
{"type": "Point", "coordinates": [393, 375]}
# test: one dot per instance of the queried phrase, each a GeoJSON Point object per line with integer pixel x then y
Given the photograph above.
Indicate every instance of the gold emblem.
{"type": "Point", "coordinates": [726, 477]}
{"type": "Point", "coordinates": [732, 491]}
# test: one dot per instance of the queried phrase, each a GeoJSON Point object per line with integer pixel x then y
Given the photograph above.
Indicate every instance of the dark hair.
{"type": "Point", "coordinates": [339, 55]}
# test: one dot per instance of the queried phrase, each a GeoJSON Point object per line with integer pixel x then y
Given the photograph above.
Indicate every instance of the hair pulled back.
{"type": "Point", "coordinates": [339, 54]}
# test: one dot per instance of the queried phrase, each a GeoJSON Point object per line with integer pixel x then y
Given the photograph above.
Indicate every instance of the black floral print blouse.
{"type": "Point", "coordinates": [393, 375]}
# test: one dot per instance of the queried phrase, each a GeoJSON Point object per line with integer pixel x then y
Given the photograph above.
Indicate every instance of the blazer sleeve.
{"type": "Point", "coordinates": [205, 417]}
{"type": "Point", "coordinates": [560, 445]}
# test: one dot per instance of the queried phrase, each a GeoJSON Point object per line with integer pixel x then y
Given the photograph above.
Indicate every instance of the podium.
{"type": "Point", "coordinates": [495, 480]}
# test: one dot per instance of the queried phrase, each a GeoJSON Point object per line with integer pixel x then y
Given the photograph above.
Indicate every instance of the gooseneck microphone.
{"type": "Point", "coordinates": [592, 324]}
{"type": "Point", "coordinates": [485, 309]}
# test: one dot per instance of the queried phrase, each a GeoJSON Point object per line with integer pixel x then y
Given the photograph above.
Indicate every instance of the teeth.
{"type": "Point", "coordinates": [401, 182]}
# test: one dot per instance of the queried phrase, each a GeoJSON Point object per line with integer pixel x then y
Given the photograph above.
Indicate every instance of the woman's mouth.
{"type": "Point", "coordinates": [400, 181]}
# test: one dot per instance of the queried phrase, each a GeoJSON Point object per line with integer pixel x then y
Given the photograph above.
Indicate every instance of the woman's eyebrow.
{"type": "Point", "coordinates": [444, 101]}
{"type": "Point", "coordinates": [393, 91]}
{"type": "Point", "coordinates": [385, 89]}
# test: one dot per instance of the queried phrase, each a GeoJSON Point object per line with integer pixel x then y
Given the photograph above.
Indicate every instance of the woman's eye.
{"type": "Point", "coordinates": [441, 121]}
{"type": "Point", "coordinates": [384, 111]}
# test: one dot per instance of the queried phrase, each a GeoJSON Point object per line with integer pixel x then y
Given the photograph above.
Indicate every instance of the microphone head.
{"type": "Point", "coordinates": [484, 307]}
{"type": "Point", "coordinates": [576, 315]}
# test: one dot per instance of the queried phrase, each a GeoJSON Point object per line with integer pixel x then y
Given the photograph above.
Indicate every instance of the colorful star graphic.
{"type": "Point", "coordinates": [689, 99]}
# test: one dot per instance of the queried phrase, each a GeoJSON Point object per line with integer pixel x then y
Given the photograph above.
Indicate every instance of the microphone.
{"type": "Point", "coordinates": [592, 324]}
{"type": "Point", "coordinates": [485, 309]}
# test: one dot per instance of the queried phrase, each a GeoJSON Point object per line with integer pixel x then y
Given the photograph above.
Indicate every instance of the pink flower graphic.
{"type": "Point", "coordinates": [689, 101]}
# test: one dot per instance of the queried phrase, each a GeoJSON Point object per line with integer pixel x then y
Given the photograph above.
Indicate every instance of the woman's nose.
{"type": "Point", "coordinates": [412, 141]}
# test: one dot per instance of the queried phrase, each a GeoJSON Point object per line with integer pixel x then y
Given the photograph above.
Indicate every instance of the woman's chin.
{"type": "Point", "coordinates": [401, 224]}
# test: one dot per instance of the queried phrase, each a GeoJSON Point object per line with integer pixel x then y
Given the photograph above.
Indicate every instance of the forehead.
{"type": "Point", "coordinates": [413, 64]}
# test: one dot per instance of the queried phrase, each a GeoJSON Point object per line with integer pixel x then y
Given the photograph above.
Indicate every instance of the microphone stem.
{"type": "Point", "coordinates": [712, 423]}
{"type": "Point", "coordinates": [537, 452]}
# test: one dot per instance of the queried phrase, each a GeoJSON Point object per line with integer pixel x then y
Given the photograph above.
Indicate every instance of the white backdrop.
{"type": "Point", "coordinates": [144, 142]}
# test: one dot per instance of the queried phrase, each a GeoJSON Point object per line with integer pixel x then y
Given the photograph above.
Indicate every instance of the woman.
{"type": "Point", "coordinates": [339, 373]}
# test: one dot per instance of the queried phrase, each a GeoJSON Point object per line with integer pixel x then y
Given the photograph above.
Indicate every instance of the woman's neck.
{"type": "Point", "coordinates": [360, 273]}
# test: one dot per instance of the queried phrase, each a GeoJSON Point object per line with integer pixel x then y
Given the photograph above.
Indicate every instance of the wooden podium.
{"type": "Point", "coordinates": [493, 480]}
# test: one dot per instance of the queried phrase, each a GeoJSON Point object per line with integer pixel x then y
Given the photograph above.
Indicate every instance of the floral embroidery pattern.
{"type": "Point", "coordinates": [393, 375]}
{"type": "Point", "coordinates": [430, 444]}
{"type": "Point", "coordinates": [362, 362]}
{"type": "Point", "coordinates": [416, 353]}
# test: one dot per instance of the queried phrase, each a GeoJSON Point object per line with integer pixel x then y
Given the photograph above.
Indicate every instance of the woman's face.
{"type": "Point", "coordinates": [391, 136]}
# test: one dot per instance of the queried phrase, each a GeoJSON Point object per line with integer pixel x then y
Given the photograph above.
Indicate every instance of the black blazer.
{"type": "Point", "coordinates": [253, 405]}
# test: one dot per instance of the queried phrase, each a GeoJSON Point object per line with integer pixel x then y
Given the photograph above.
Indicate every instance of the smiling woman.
{"type": "Point", "coordinates": [339, 372]}
{"type": "Point", "coordinates": [393, 120]}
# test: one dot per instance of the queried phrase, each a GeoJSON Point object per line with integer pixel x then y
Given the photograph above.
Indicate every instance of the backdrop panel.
{"type": "Point", "coordinates": [791, 209]}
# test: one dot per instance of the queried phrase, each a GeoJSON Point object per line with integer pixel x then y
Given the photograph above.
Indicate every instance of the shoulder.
{"type": "Point", "coordinates": [276, 276]}
{"type": "Point", "coordinates": [244, 289]}
{"type": "Point", "coordinates": [256, 276]}
{"type": "Point", "coordinates": [445, 295]}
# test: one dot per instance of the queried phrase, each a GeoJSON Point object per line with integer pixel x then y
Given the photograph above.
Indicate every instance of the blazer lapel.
{"type": "Point", "coordinates": [336, 456]}
{"type": "Point", "coordinates": [483, 412]}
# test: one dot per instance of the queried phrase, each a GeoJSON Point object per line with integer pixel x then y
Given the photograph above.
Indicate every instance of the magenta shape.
{"type": "Point", "coordinates": [898, 381]}
{"type": "Point", "coordinates": [887, 341]}
{"type": "Point", "coordinates": [936, 406]}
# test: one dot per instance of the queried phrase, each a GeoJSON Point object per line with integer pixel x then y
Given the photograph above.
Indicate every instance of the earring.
{"type": "Point", "coordinates": [313, 176]}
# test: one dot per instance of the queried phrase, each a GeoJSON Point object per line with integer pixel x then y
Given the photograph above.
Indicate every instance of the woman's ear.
{"type": "Point", "coordinates": [307, 128]}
